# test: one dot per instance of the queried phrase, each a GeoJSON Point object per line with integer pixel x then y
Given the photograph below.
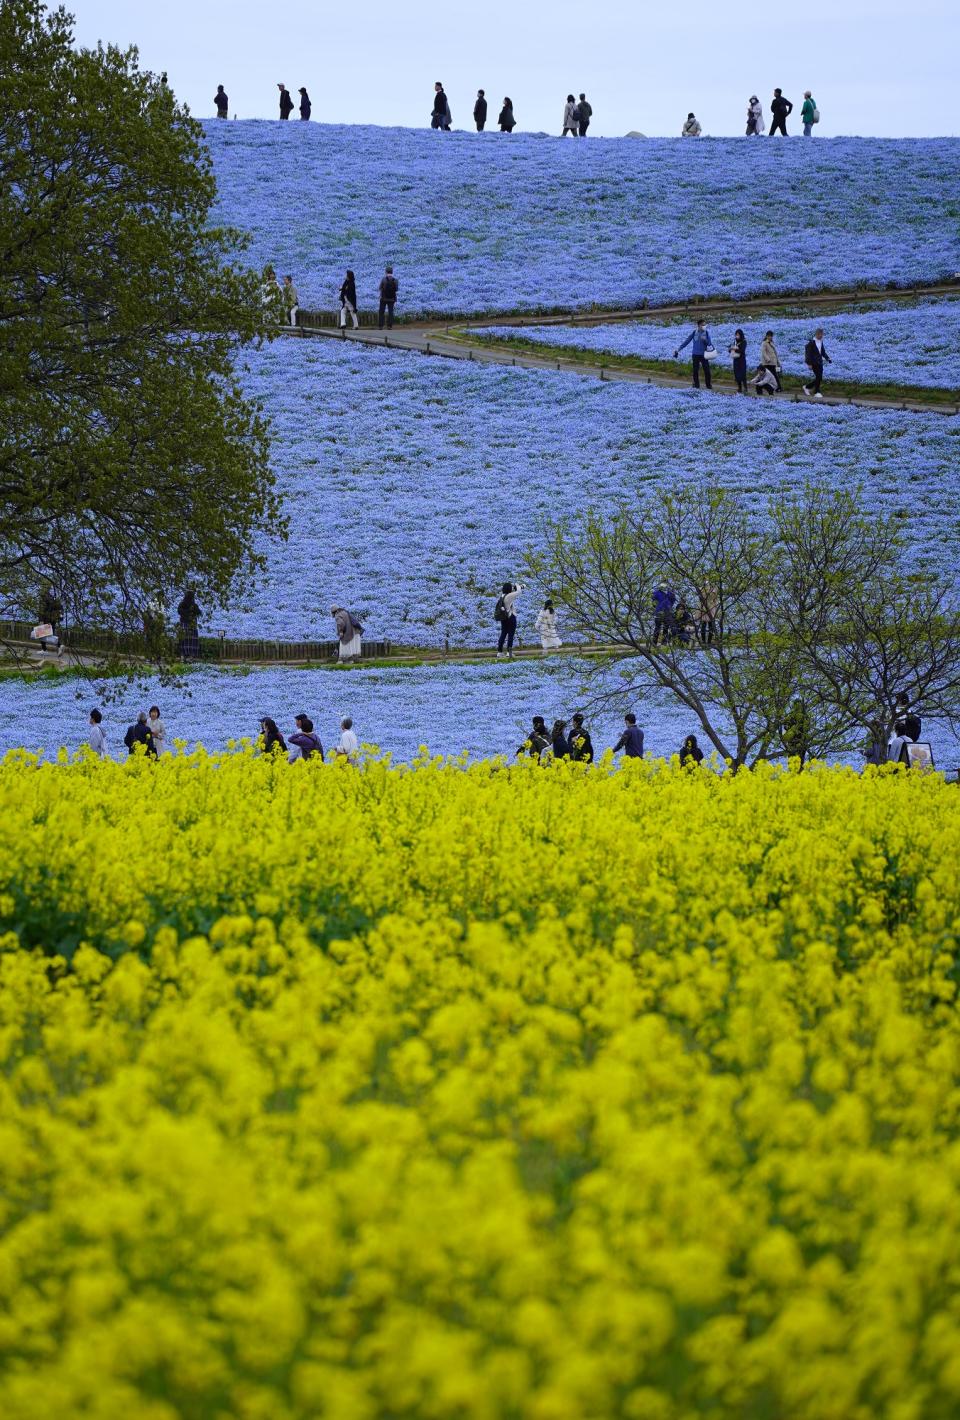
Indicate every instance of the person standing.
{"type": "Point", "coordinates": [581, 745]}
{"type": "Point", "coordinates": [664, 600]}
{"type": "Point", "coordinates": [286, 101]}
{"type": "Point", "coordinates": [139, 734]}
{"type": "Point", "coordinates": [188, 615]}
{"type": "Point", "coordinates": [272, 738]}
{"type": "Point", "coordinates": [690, 753]}
{"type": "Point", "coordinates": [738, 349]}
{"type": "Point", "coordinates": [50, 610]}
{"type": "Point", "coordinates": [702, 342]}
{"type": "Point", "coordinates": [97, 740]}
{"type": "Point", "coordinates": [349, 632]}
{"type": "Point", "coordinates": [505, 613]}
{"type": "Point", "coordinates": [480, 111]}
{"type": "Point", "coordinates": [814, 355]}
{"type": "Point", "coordinates": [691, 129]}
{"type": "Point", "coordinates": [908, 722]}
{"type": "Point", "coordinates": [306, 108]}
{"type": "Point", "coordinates": [570, 124]}
{"type": "Point", "coordinates": [441, 116]}
{"type": "Point", "coordinates": [506, 120]}
{"type": "Point", "coordinates": [808, 113]}
{"type": "Point", "coordinates": [755, 123]}
{"type": "Point", "coordinates": [781, 108]}
{"type": "Point", "coordinates": [796, 731]}
{"type": "Point", "coordinates": [271, 295]}
{"type": "Point", "coordinates": [546, 624]}
{"type": "Point", "coordinates": [537, 740]}
{"type": "Point", "coordinates": [389, 287]}
{"type": "Point", "coordinates": [631, 741]}
{"type": "Point", "coordinates": [348, 746]}
{"type": "Point", "coordinates": [770, 359]}
{"type": "Point", "coordinates": [222, 102]}
{"type": "Point", "coordinates": [304, 740]}
{"type": "Point", "coordinates": [291, 299]}
{"type": "Point", "coordinates": [558, 740]}
{"type": "Point", "coordinates": [348, 301]}
{"type": "Point", "coordinates": [156, 728]}
{"type": "Point", "coordinates": [708, 613]}
{"type": "Point", "coordinates": [584, 115]}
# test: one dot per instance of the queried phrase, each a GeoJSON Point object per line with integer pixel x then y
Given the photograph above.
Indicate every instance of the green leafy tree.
{"type": "Point", "coordinates": [130, 461]}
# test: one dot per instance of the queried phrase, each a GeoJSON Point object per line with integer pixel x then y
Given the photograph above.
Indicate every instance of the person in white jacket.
{"type": "Point", "coordinates": [546, 624]}
{"type": "Point", "coordinates": [570, 118]}
{"type": "Point", "coordinates": [506, 614]}
{"type": "Point", "coordinates": [755, 123]}
{"type": "Point", "coordinates": [691, 129]}
{"type": "Point", "coordinates": [348, 745]}
{"type": "Point", "coordinates": [97, 740]}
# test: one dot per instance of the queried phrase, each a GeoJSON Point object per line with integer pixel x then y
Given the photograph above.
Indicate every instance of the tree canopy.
{"type": "Point", "coordinates": [130, 460]}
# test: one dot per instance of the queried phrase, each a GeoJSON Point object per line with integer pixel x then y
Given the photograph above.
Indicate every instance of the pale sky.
{"type": "Point", "coordinates": [876, 67]}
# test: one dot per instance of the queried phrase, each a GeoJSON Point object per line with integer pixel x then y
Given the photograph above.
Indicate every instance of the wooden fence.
{"type": "Point", "coordinates": [213, 649]}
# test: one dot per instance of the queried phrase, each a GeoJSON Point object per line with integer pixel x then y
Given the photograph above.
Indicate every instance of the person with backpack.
{"type": "Point", "coordinates": [631, 741]}
{"type": "Point", "coordinates": [584, 115]}
{"type": "Point", "coordinates": [781, 108]}
{"type": "Point", "coordinates": [305, 740]}
{"type": "Point", "coordinates": [809, 113]}
{"type": "Point", "coordinates": [815, 352]}
{"type": "Point", "coordinates": [570, 124]}
{"type": "Point", "coordinates": [306, 107]}
{"type": "Point", "coordinates": [441, 117]}
{"type": "Point", "coordinates": [286, 101]}
{"type": "Point", "coordinates": [222, 102]}
{"type": "Point", "coordinates": [348, 301]}
{"type": "Point", "coordinates": [546, 624]}
{"type": "Point", "coordinates": [702, 352]}
{"type": "Point", "coordinates": [537, 741]}
{"type": "Point", "coordinates": [480, 111]}
{"type": "Point", "coordinates": [389, 287]}
{"type": "Point", "coordinates": [349, 632]}
{"type": "Point", "coordinates": [581, 745]}
{"type": "Point", "coordinates": [505, 613]}
{"type": "Point", "coordinates": [506, 120]}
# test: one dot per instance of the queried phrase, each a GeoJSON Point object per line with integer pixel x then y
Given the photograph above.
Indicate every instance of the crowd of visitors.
{"type": "Point", "coordinates": [768, 376]}
{"type": "Point", "coordinates": [780, 110]}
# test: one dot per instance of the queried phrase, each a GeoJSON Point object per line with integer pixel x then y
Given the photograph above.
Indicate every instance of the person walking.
{"type": "Point", "coordinates": [349, 632]}
{"type": "Point", "coordinates": [188, 615]}
{"type": "Point", "coordinates": [480, 111]}
{"type": "Point", "coordinates": [581, 745]}
{"type": "Point", "coordinates": [306, 108]}
{"type": "Point", "coordinates": [755, 124]}
{"type": "Point", "coordinates": [690, 753]}
{"type": "Point", "coordinates": [691, 129]}
{"type": "Point", "coordinates": [664, 600]}
{"type": "Point", "coordinates": [157, 730]}
{"type": "Point", "coordinates": [809, 113]}
{"type": "Point", "coordinates": [348, 301]}
{"type": "Point", "coordinates": [271, 295]}
{"type": "Point", "coordinates": [348, 746]}
{"type": "Point", "coordinates": [272, 738]}
{"type": "Point", "coordinates": [546, 624]}
{"type": "Point", "coordinates": [708, 614]}
{"type": "Point", "coordinates": [631, 741]}
{"type": "Point", "coordinates": [286, 101]}
{"type": "Point", "coordinates": [738, 349]}
{"type": "Point", "coordinates": [584, 115]}
{"type": "Point", "coordinates": [537, 740]}
{"type": "Point", "coordinates": [441, 116]}
{"type": "Point", "coordinates": [815, 353]}
{"type": "Point", "coordinates": [770, 360]}
{"type": "Point", "coordinates": [389, 287]}
{"type": "Point", "coordinates": [702, 344]}
{"type": "Point", "coordinates": [96, 738]}
{"type": "Point", "coordinates": [570, 124]}
{"type": "Point", "coordinates": [781, 108]}
{"type": "Point", "coordinates": [305, 741]}
{"type": "Point", "coordinates": [505, 613]}
{"type": "Point", "coordinates": [558, 740]}
{"type": "Point", "coordinates": [222, 102]}
{"type": "Point", "coordinates": [139, 734]}
{"type": "Point", "coordinates": [506, 120]}
{"type": "Point", "coordinates": [291, 300]}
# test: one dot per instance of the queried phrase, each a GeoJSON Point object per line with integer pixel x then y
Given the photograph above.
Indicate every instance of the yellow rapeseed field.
{"type": "Point", "coordinates": [477, 1092]}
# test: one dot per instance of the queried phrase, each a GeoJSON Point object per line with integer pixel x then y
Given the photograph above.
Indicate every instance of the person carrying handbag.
{"type": "Point", "coordinates": [703, 352]}
{"type": "Point", "coordinates": [770, 360]}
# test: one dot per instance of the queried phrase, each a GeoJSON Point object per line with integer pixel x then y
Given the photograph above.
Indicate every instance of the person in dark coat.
{"type": "Point", "coordinates": [559, 741]}
{"type": "Point", "coordinates": [584, 115]}
{"type": "Point", "coordinates": [441, 116]}
{"type": "Point", "coordinates": [813, 356]}
{"type": "Point", "coordinates": [139, 734]}
{"type": "Point", "coordinates": [305, 105]}
{"type": "Point", "coordinates": [51, 610]}
{"type": "Point", "coordinates": [222, 102]}
{"type": "Point", "coordinates": [348, 300]}
{"type": "Point", "coordinates": [188, 614]}
{"type": "Point", "coordinates": [480, 111]}
{"type": "Point", "coordinates": [908, 722]}
{"type": "Point", "coordinates": [738, 349]}
{"type": "Point", "coordinates": [690, 751]}
{"type": "Point", "coordinates": [780, 108]}
{"type": "Point", "coordinates": [388, 297]}
{"type": "Point", "coordinates": [537, 741]}
{"type": "Point", "coordinates": [631, 741]}
{"type": "Point", "coordinates": [286, 101]}
{"type": "Point", "coordinates": [581, 745]}
{"type": "Point", "coordinates": [664, 600]}
{"type": "Point", "coordinates": [305, 741]}
{"type": "Point", "coordinates": [272, 738]}
{"type": "Point", "coordinates": [506, 120]}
